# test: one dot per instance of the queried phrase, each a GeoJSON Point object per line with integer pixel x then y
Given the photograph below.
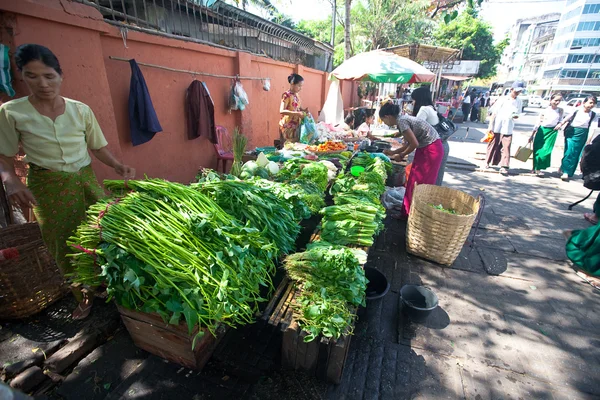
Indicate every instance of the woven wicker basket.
{"type": "Point", "coordinates": [32, 281]}
{"type": "Point", "coordinates": [437, 235]}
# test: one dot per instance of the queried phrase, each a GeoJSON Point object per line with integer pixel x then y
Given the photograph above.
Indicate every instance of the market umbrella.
{"type": "Point", "coordinates": [382, 67]}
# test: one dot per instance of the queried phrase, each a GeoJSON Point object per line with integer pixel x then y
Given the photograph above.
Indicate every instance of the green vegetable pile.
{"type": "Point", "coordinates": [305, 197]}
{"type": "Point", "coordinates": [258, 207]}
{"type": "Point", "coordinates": [333, 281]}
{"type": "Point", "coordinates": [351, 224]}
{"type": "Point", "coordinates": [441, 208]}
{"type": "Point", "coordinates": [169, 249]}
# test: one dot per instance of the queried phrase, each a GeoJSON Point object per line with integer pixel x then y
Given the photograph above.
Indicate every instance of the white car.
{"type": "Point", "coordinates": [535, 101]}
{"type": "Point", "coordinates": [573, 104]}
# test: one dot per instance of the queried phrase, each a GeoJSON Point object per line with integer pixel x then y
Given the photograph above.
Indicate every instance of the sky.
{"type": "Point", "coordinates": [501, 14]}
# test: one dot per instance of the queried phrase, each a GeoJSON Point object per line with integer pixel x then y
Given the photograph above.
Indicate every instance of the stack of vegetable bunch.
{"type": "Point", "coordinates": [333, 283]}
{"type": "Point", "coordinates": [355, 223]}
{"type": "Point", "coordinates": [358, 214]}
{"type": "Point", "coordinates": [169, 249]}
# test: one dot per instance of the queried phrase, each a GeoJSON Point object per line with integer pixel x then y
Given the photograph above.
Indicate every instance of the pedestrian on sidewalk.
{"type": "Point", "coordinates": [419, 135]}
{"type": "Point", "coordinates": [583, 249]}
{"type": "Point", "coordinates": [423, 108]}
{"type": "Point", "coordinates": [475, 109]}
{"type": "Point", "coordinates": [545, 134]}
{"type": "Point", "coordinates": [57, 134]}
{"type": "Point", "coordinates": [576, 128]}
{"type": "Point", "coordinates": [466, 106]}
{"type": "Point", "coordinates": [504, 113]}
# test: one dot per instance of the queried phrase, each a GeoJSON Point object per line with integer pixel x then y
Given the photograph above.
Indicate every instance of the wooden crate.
{"type": "Point", "coordinates": [323, 357]}
{"type": "Point", "coordinates": [171, 342]}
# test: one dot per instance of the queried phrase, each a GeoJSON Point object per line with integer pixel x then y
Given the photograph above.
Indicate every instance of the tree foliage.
{"type": "Point", "coordinates": [474, 36]}
{"type": "Point", "coordinates": [386, 23]}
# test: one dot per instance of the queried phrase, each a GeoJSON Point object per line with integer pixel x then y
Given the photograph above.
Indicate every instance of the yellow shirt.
{"type": "Point", "coordinates": [60, 145]}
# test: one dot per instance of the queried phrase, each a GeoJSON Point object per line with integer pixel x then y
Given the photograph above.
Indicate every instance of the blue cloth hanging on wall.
{"type": "Point", "coordinates": [5, 78]}
{"type": "Point", "coordinates": [142, 117]}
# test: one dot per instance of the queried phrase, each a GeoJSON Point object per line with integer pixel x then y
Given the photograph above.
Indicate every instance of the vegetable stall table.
{"type": "Point", "coordinates": [323, 353]}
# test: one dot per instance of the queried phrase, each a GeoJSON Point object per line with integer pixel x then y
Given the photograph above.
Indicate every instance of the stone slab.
{"type": "Point", "coordinates": [73, 351]}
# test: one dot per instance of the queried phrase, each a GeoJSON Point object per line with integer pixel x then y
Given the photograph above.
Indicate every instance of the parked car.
{"type": "Point", "coordinates": [573, 104]}
{"type": "Point", "coordinates": [535, 100]}
{"type": "Point", "coordinates": [574, 95]}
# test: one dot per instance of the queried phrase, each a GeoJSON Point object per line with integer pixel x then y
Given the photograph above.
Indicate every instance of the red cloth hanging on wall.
{"type": "Point", "coordinates": [200, 112]}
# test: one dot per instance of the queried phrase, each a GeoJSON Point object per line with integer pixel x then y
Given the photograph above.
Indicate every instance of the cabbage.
{"type": "Point", "coordinates": [250, 166]}
{"type": "Point", "coordinates": [262, 160]}
{"type": "Point", "coordinates": [273, 167]}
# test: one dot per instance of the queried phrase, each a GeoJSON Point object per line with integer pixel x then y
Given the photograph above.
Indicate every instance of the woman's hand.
{"type": "Point", "coordinates": [125, 171]}
{"type": "Point", "coordinates": [18, 194]}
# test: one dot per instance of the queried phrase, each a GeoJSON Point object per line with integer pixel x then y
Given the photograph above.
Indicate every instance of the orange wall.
{"type": "Point", "coordinates": [83, 44]}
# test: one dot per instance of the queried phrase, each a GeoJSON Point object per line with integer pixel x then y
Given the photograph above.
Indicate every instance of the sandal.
{"type": "Point", "coordinates": [593, 281]}
{"type": "Point", "coordinates": [591, 218]}
{"type": "Point", "coordinates": [82, 311]}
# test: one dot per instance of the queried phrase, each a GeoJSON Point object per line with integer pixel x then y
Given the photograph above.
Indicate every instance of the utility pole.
{"type": "Point", "coordinates": [347, 44]}
{"type": "Point", "coordinates": [333, 18]}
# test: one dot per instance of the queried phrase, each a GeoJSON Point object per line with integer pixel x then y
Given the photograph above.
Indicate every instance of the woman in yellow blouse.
{"type": "Point", "coordinates": [55, 134]}
{"type": "Point", "coordinates": [290, 110]}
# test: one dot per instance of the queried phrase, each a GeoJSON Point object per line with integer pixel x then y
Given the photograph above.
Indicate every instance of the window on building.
{"type": "Point", "coordinates": [591, 9]}
{"type": "Point", "coordinates": [579, 73]}
{"type": "Point", "coordinates": [567, 29]}
{"type": "Point", "coordinates": [583, 58]}
{"type": "Point", "coordinates": [586, 42]}
{"type": "Point", "coordinates": [589, 26]}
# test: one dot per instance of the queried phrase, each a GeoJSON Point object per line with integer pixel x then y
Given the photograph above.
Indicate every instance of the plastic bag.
{"type": "Point", "coordinates": [308, 130]}
{"type": "Point", "coordinates": [241, 93]}
{"type": "Point", "coordinates": [267, 85]}
{"type": "Point", "coordinates": [393, 198]}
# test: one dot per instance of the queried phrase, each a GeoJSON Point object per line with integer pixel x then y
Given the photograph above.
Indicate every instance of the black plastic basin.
{"type": "Point", "coordinates": [418, 302]}
{"type": "Point", "coordinates": [378, 285]}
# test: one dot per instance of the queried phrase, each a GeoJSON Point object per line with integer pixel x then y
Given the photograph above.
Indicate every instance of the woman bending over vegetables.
{"type": "Point", "coordinates": [56, 134]}
{"type": "Point", "coordinates": [419, 135]}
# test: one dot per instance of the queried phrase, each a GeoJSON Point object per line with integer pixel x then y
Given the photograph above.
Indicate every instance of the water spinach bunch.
{"type": "Point", "coordinates": [169, 249]}
{"type": "Point", "coordinates": [259, 207]}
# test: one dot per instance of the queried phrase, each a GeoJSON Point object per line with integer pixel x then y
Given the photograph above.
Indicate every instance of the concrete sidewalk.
{"type": "Point", "coordinates": [514, 321]}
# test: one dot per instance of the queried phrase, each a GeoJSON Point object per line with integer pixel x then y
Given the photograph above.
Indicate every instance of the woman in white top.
{"type": "Point", "coordinates": [576, 127]}
{"type": "Point", "coordinates": [545, 134]}
{"type": "Point", "coordinates": [423, 109]}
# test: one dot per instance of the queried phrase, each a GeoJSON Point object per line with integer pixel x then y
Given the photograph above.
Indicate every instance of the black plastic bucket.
{"type": "Point", "coordinates": [378, 285]}
{"type": "Point", "coordinates": [418, 302]}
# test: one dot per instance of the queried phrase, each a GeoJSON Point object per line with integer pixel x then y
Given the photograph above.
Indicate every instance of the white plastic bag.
{"type": "Point", "coordinates": [393, 198]}
{"type": "Point", "coordinates": [267, 85]}
{"type": "Point", "coordinates": [241, 93]}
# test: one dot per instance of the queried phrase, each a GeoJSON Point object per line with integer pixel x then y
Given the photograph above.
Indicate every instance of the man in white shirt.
{"type": "Point", "coordinates": [504, 113]}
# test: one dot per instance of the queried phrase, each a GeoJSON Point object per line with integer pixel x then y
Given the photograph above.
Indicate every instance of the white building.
{"type": "Point", "coordinates": [528, 40]}
{"type": "Point", "coordinates": [573, 64]}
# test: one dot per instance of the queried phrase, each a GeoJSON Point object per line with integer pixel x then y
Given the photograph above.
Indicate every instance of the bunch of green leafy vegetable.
{"type": "Point", "coordinates": [259, 207]}
{"type": "Point", "coordinates": [383, 168]}
{"type": "Point", "coordinates": [169, 249]}
{"type": "Point", "coordinates": [315, 173]}
{"type": "Point", "coordinates": [351, 224]}
{"type": "Point", "coordinates": [291, 169]}
{"type": "Point", "coordinates": [441, 208]}
{"type": "Point", "coordinates": [332, 281]}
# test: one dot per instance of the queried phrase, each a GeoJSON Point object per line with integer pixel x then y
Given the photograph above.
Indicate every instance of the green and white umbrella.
{"type": "Point", "coordinates": [382, 67]}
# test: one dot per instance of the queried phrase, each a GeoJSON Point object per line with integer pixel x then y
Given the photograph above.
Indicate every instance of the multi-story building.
{"type": "Point", "coordinates": [573, 63]}
{"type": "Point", "coordinates": [529, 39]}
